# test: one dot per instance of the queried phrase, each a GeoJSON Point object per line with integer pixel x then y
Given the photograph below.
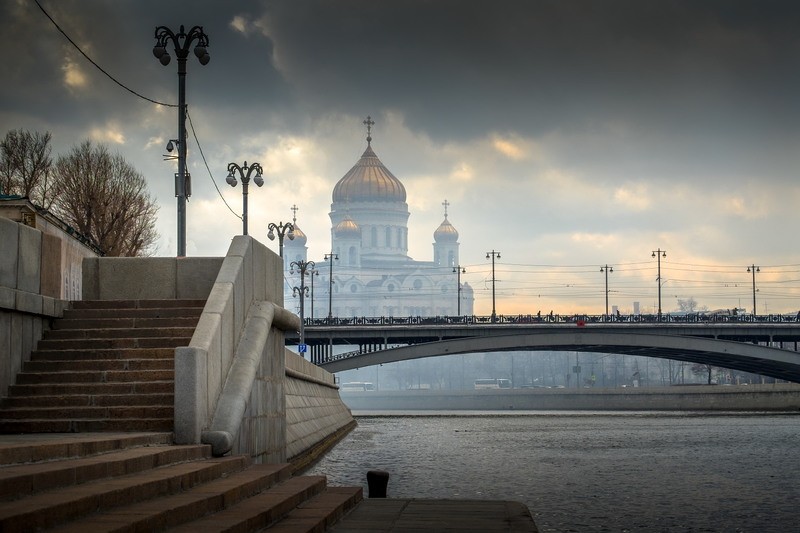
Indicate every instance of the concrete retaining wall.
{"type": "Point", "coordinates": [782, 397]}
{"type": "Point", "coordinates": [29, 293]}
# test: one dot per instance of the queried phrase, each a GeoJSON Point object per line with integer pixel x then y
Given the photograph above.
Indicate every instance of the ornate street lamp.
{"type": "Point", "coordinates": [493, 254]}
{"type": "Point", "coordinates": [659, 254]}
{"type": "Point", "coordinates": [302, 267]}
{"type": "Point", "coordinates": [330, 258]}
{"type": "Point", "coordinates": [753, 268]}
{"type": "Point", "coordinates": [458, 269]}
{"type": "Point", "coordinates": [282, 229]}
{"type": "Point", "coordinates": [244, 174]}
{"type": "Point", "coordinates": [182, 41]}
{"type": "Point", "coordinates": [606, 269]}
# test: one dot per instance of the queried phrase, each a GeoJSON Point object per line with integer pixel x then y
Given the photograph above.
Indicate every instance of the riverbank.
{"type": "Point", "coordinates": [773, 397]}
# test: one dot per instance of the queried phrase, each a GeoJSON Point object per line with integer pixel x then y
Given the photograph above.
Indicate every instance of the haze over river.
{"type": "Point", "coordinates": [589, 471]}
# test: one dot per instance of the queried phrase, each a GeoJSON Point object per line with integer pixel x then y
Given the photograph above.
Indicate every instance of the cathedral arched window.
{"type": "Point", "coordinates": [352, 256]}
{"type": "Point", "coordinates": [374, 237]}
{"type": "Point", "coordinates": [388, 237]}
{"type": "Point", "coordinates": [451, 258]}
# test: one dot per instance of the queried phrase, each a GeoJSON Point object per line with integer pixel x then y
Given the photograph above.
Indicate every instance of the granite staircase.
{"type": "Point", "coordinates": [140, 482]}
{"type": "Point", "coordinates": [105, 366]}
{"type": "Point", "coordinates": [86, 439]}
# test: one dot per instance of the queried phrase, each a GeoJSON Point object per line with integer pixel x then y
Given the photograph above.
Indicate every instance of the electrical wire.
{"type": "Point", "coordinates": [101, 69]}
{"type": "Point", "coordinates": [210, 174]}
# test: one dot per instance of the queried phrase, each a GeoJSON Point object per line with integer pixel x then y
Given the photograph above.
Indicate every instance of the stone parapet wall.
{"type": "Point", "coordinates": [29, 293]}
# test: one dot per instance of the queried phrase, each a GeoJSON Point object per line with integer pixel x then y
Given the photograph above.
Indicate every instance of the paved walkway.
{"type": "Point", "coordinates": [435, 516]}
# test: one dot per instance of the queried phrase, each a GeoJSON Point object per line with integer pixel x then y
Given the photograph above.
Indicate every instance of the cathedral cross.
{"type": "Point", "coordinates": [369, 123]}
{"type": "Point", "coordinates": [445, 204]}
{"type": "Point", "coordinates": [294, 209]}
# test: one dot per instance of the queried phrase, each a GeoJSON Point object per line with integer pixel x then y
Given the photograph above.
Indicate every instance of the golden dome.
{"type": "Point", "coordinates": [445, 232]}
{"type": "Point", "coordinates": [369, 181]}
{"type": "Point", "coordinates": [299, 237]}
{"type": "Point", "coordinates": [347, 228]}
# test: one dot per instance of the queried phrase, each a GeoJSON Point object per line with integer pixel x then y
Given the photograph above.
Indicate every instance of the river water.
{"type": "Point", "coordinates": [590, 471]}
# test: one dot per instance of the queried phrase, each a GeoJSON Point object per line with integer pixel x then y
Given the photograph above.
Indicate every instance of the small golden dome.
{"type": "Point", "coordinates": [299, 237]}
{"type": "Point", "coordinates": [369, 181]}
{"type": "Point", "coordinates": [347, 228]}
{"type": "Point", "coordinates": [445, 232]}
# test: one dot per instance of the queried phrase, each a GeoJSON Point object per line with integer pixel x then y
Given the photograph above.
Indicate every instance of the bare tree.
{"type": "Point", "coordinates": [689, 305]}
{"type": "Point", "coordinates": [105, 198]}
{"type": "Point", "coordinates": [26, 166]}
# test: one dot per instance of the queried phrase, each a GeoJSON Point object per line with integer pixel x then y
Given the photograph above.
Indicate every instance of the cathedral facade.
{"type": "Point", "coordinates": [368, 272]}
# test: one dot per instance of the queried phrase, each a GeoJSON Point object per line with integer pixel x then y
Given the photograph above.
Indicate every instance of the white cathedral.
{"type": "Point", "coordinates": [368, 272]}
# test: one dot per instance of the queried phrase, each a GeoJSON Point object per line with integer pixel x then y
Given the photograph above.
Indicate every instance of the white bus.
{"type": "Point", "coordinates": [357, 386]}
{"type": "Point", "coordinates": [493, 383]}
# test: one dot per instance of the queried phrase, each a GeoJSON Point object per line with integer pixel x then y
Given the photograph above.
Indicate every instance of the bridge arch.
{"type": "Point", "coordinates": [774, 362]}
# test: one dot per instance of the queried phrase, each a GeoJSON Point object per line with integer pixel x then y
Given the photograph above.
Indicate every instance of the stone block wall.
{"type": "Point", "coordinates": [29, 293]}
{"type": "Point", "coordinates": [314, 410]}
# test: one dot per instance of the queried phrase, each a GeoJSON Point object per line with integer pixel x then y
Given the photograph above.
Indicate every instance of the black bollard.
{"type": "Point", "coordinates": [377, 481]}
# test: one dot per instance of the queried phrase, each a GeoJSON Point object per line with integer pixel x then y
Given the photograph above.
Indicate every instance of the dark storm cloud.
{"type": "Point", "coordinates": [460, 68]}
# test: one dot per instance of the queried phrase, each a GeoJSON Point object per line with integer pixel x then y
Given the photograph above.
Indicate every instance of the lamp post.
{"type": "Point", "coordinates": [493, 254]}
{"type": "Point", "coordinates": [330, 257]}
{"type": "Point", "coordinates": [606, 269]}
{"type": "Point", "coordinates": [659, 254]}
{"type": "Point", "coordinates": [753, 268]}
{"type": "Point", "coordinates": [282, 229]}
{"type": "Point", "coordinates": [313, 273]}
{"type": "Point", "coordinates": [459, 270]}
{"type": "Point", "coordinates": [181, 41]}
{"type": "Point", "coordinates": [244, 174]}
{"type": "Point", "coordinates": [302, 266]}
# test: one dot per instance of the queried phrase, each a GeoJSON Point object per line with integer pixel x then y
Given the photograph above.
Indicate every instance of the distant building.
{"type": "Point", "coordinates": [373, 275]}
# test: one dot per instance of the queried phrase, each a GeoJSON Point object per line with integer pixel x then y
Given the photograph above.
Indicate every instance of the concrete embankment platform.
{"type": "Point", "coordinates": [779, 397]}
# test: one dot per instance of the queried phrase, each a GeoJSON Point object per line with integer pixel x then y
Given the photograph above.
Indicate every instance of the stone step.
{"type": "Point", "coordinates": [87, 400]}
{"type": "Point", "coordinates": [89, 365]}
{"type": "Point", "coordinates": [51, 389]}
{"type": "Point", "coordinates": [200, 505]}
{"type": "Point", "coordinates": [169, 312]}
{"type": "Point", "coordinates": [136, 304]}
{"type": "Point", "coordinates": [262, 510]}
{"type": "Point", "coordinates": [18, 481]}
{"type": "Point", "coordinates": [132, 322]}
{"type": "Point", "coordinates": [109, 376]}
{"type": "Point", "coordinates": [81, 426]}
{"type": "Point", "coordinates": [88, 412]}
{"type": "Point", "coordinates": [121, 333]}
{"type": "Point", "coordinates": [318, 513]}
{"type": "Point", "coordinates": [55, 507]}
{"type": "Point", "coordinates": [16, 449]}
{"type": "Point", "coordinates": [104, 353]}
{"type": "Point", "coordinates": [104, 344]}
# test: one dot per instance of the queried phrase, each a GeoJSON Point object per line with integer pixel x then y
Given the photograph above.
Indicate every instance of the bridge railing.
{"type": "Point", "coordinates": [551, 318]}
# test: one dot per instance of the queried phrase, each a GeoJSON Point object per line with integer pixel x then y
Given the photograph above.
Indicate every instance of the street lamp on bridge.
{"type": "Point", "coordinates": [244, 172]}
{"type": "Point", "coordinates": [282, 229]}
{"type": "Point", "coordinates": [330, 258]}
{"type": "Point", "coordinates": [659, 254]}
{"type": "Point", "coordinates": [753, 268]}
{"type": "Point", "coordinates": [606, 269]}
{"type": "Point", "coordinates": [302, 267]}
{"type": "Point", "coordinates": [181, 41]}
{"type": "Point", "coordinates": [458, 269]}
{"type": "Point", "coordinates": [493, 254]}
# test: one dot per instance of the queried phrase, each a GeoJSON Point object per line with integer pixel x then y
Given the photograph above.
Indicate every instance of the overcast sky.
{"type": "Point", "coordinates": [565, 134]}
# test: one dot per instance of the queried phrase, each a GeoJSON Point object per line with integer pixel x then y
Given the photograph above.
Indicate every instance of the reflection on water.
{"type": "Point", "coordinates": [581, 471]}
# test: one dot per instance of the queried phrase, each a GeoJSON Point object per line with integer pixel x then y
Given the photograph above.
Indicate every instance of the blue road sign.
{"type": "Point", "coordinates": [302, 348]}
